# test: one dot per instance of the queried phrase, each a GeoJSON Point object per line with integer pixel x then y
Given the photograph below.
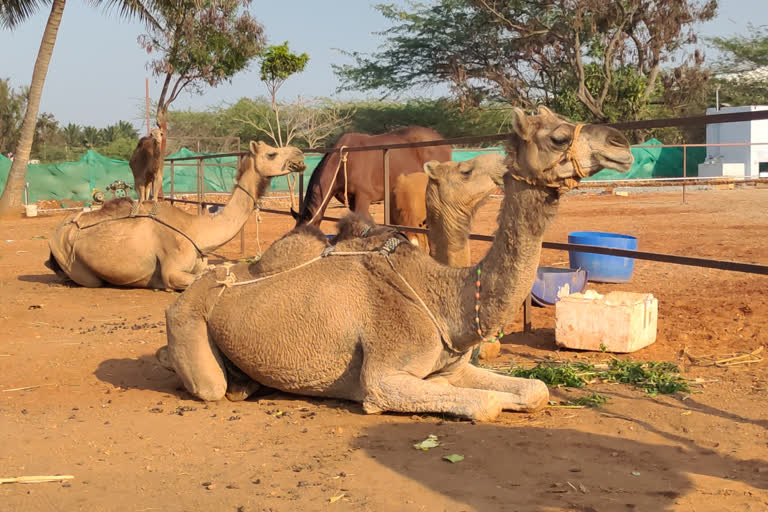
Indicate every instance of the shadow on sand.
{"type": "Point", "coordinates": [527, 468]}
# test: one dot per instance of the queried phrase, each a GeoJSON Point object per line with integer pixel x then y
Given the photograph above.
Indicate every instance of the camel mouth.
{"type": "Point", "coordinates": [617, 163]}
{"type": "Point", "coordinates": [295, 166]}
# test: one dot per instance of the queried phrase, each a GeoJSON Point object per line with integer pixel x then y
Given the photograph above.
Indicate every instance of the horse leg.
{"type": "Point", "coordinates": [360, 204]}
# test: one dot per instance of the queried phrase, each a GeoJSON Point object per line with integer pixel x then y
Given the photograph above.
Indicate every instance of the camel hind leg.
{"type": "Point", "coordinates": [193, 355]}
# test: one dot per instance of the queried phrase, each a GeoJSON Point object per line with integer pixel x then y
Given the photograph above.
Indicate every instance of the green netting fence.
{"type": "Point", "coordinates": [78, 180]}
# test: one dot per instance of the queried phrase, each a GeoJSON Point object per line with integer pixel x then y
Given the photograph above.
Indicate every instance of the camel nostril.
{"type": "Point", "coordinates": [617, 139]}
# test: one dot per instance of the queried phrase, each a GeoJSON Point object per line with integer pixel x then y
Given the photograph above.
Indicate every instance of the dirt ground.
{"type": "Point", "coordinates": [95, 404]}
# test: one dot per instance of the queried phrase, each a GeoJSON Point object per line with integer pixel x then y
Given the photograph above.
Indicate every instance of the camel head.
{"type": "Point", "coordinates": [157, 134]}
{"type": "Point", "coordinates": [269, 161]}
{"type": "Point", "coordinates": [464, 185]}
{"type": "Point", "coordinates": [555, 152]}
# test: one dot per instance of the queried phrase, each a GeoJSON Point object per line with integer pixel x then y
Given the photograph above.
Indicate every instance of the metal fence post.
{"type": "Point", "coordinates": [386, 187]}
{"type": "Point", "coordinates": [242, 229]}
{"type": "Point", "coordinates": [200, 185]}
{"type": "Point", "coordinates": [301, 189]}
{"type": "Point", "coordinates": [685, 168]}
{"type": "Point", "coordinates": [173, 180]}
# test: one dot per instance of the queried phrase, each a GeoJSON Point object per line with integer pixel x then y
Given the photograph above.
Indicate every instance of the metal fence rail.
{"type": "Point", "coordinates": [750, 268]}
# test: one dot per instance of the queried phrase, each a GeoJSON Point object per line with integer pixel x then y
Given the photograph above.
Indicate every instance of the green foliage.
{"type": "Point", "coordinates": [121, 148]}
{"type": "Point", "coordinates": [739, 56]}
{"type": "Point", "coordinates": [570, 375]}
{"type": "Point", "coordinates": [13, 103]}
{"type": "Point", "coordinates": [590, 59]}
{"type": "Point", "coordinates": [278, 63]}
{"type": "Point", "coordinates": [200, 42]}
{"type": "Point", "coordinates": [742, 53]}
{"type": "Point", "coordinates": [653, 377]}
{"type": "Point", "coordinates": [591, 400]}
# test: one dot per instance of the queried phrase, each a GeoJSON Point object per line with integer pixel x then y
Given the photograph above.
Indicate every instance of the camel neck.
{"type": "Point", "coordinates": [509, 268]}
{"type": "Point", "coordinates": [449, 236]}
{"type": "Point", "coordinates": [216, 230]}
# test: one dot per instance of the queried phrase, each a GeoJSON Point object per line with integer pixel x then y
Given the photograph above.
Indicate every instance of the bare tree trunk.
{"type": "Point", "coordinates": [10, 201]}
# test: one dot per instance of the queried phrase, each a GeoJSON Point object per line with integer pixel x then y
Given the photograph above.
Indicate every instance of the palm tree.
{"type": "Point", "coordinates": [125, 130]}
{"type": "Point", "coordinates": [12, 14]}
{"type": "Point", "coordinates": [73, 135]}
{"type": "Point", "coordinates": [91, 136]}
{"type": "Point", "coordinates": [108, 134]}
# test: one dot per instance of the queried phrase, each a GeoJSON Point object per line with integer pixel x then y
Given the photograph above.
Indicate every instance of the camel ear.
{"type": "Point", "coordinates": [544, 111]}
{"type": "Point", "coordinates": [255, 147]}
{"type": "Point", "coordinates": [520, 124]}
{"type": "Point", "coordinates": [431, 168]}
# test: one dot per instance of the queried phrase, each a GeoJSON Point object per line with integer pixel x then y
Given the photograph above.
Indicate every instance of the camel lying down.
{"type": "Point", "coordinates": [154, 244]}
{"type": "Point", "coordinates": [376, 320]}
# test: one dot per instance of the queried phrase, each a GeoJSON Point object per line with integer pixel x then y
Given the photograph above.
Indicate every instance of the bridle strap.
{"type": "Point", "coordinates": [255, 202]}
{"type": "Point", "coordinates": [568, 156]}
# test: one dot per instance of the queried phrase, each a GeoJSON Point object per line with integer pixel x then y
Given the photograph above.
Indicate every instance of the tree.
{"type": "Point", "coordinates": [600, 59]}
{"type": "Point", "coordinates": [125, 130]}
{"type": "Point", "coordinates": [199, 43]}
{"type": "Point", "coordinates": [12, 14]}
{"type": "Point", "coordinates": [277, 65]}
{"type": "Point", "coordinates": [46, 133]}
{"type": "Point", "coordinates": [309, 120]}
{"type": "Point", "coordinates": [742, 70]}
{"type": "Point", "coordinates": [91, 136]}
{"type": "Point", "coordinates": [12, 105]}
{"type": "Point", "coordinates": [73, 135]}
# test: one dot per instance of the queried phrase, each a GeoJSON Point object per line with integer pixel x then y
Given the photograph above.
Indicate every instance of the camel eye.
{"type": "Point", "coordinates": [467, 173]}
{"type": "Point", "coordinates": [272, 155]}
{"type": "Point", "coordinates": [560, 139]}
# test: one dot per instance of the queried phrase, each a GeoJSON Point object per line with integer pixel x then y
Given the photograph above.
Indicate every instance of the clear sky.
{"type": "Point", "coordinates": [96, 76]}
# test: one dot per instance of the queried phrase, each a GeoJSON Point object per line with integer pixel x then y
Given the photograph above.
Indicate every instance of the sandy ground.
{"type": "Point", "coordinates": [103, 410]}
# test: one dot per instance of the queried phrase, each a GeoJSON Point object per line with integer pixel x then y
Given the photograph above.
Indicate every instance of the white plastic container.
{"type": "Point", "coordinates": [30, 210]}
{"type": "Point", "coordinates": [616, 322]}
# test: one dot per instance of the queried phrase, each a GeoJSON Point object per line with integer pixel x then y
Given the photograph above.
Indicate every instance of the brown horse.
{"type": "Point", "coordinates": [363, 181]}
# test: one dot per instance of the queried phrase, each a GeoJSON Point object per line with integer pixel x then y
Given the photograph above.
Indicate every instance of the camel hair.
{"type": "Point", "coordinates": [444, 199]}
{"type": "Point", "coordinates": [392, 328]}
{"type": "Point", "coordinates": [155, 245]}
{"type": "Point", "coordinates": [355, 231]}
{"type": "Point", "coordinates": [458, 189]}
{"type": "Point", "coordinates": [147, 166]}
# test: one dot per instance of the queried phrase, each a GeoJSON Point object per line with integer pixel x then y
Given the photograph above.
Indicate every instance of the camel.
{"type": "Point", "coordinates": [147, 166]}
{"type": "Point", "coordinates": [454, 201]}
{"type": "Point", "coordinates": [408, 206]}
{"type": "Point", "coordinates": [392, 328]}
{"type": "Point", "coordinates": [155, 245]}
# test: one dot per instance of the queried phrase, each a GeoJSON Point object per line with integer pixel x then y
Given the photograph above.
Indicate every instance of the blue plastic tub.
{"type": "Point", "coordinates": [603, 268]}
{"type": "Point", "coordinates": [550, 280]}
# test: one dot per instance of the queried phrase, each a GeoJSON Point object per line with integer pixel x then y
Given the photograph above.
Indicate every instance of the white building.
{"type": "Point", "coordinates": [736, 160]}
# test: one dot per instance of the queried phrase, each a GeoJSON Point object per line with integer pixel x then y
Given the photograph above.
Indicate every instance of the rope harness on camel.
{"type": "Point", "coordinates": [342, 160]}
{"type": "Point", "coordinates": [134, 214]}
{"type": "Point", "coordinates": [387, 248]}
{"type": "Point", "coordinates": [568, 156]}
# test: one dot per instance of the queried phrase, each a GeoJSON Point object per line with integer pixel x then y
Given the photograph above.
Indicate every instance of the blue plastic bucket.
{"type": "Point", "coordinates": [551, 280]}
{"type": "Point", "coordinates": [603, 268]}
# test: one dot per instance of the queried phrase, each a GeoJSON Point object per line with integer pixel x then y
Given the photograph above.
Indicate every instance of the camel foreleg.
{"type": "Point", "coordinates": [516, 394]}
{"type": "Point", "coordinates": [193, 355]}
{"type": "Point", "coordinates": [406, 393]}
